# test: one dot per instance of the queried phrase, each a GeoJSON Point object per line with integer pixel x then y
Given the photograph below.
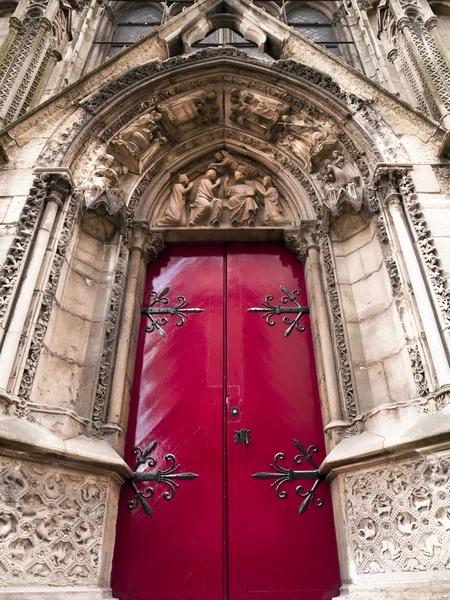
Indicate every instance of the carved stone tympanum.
{"type": "Point", "coordinates": [243, 197]}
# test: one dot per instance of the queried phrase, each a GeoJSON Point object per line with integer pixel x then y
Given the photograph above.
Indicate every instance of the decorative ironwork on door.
{"type": "Point", "coordinates": [270, 310]}
{"type": "Point", "coordinates": [167, 477]}
{"type": "Point", "coordinates": [282, 476]}
{"type": "Point", "coordinates": [180, 311]}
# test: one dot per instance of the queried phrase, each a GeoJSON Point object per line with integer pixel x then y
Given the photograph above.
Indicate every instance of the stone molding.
{"type": "Point", "coordinates": [426, 245]}
{"type": "Point", "coordinates": [343, 360]}
{"type": "Point", "coordinates": [98, 100]}
{"type": "Point", "coordinates": [48, 298]}
{"type": "Point", "coordinates": [48, 185]}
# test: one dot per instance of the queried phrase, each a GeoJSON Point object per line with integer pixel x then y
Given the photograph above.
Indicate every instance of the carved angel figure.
{"type": "Point", "coordinates": [175, 211]}
{"type": "Point", "coordinates": [105, 189]}
{"type": "Point", "coordinates": [241, 200]}
{"type": "Point", "coordinates": [224, 161]}
{"type": "Point", "coordinates": [206, 207]}
{"type": "Point", "coordinates": [311, 140]}
{"type": "Point", "coordinates": [131, 144]}
{"type": "Point", "coordinates": [274, 213]}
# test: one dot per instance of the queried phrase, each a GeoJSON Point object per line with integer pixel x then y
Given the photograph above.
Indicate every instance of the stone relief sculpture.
{"type": "Point", "coordinates": [188, 112]}
{"type": "Point", "coordinates": [274, 212]}
{"type": "Point", "coordinates": [399, 516]}
{"type": "Point", "coordinates": [206, 208]}
{"type": "Point", "coordinates": [240, 198]}
{"type": "Point", "coordinates": [311, 141]}
{"type": "Point", "coordinates": [343, 183]}
{"type": "Point", "coordinates": [105, 189]}
{"type": "Point", "coordinates": [174, 215]}
{"type": "Point", "coordinates": [131, 146]}
{"type": "Point", "coordinates": [257, 112]}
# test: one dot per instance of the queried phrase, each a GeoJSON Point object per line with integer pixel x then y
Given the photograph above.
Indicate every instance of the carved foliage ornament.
{"type": "Point", "coordinates": [399, 517]}
{"type": "Point", "coordinates": [51, 526]}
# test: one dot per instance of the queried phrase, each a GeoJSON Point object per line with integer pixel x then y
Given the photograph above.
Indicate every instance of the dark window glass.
{"type": "Point", "coordinates": [133, 25]}
{"type": "Point", "coordinates": [315, 26]}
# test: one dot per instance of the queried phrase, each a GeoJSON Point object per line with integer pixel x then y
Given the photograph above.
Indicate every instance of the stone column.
{"type": "Point", "coordinates": [144, 248]}
{"type": "Point", "coordinates": [418, 283]}
{"type": "Point", "coordinates": [58, 190]}
{"type": "Point", "coordinates": [306, 247]}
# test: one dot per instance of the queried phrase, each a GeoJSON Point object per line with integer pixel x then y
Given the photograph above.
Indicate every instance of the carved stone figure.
{"type": "Point", "coordinates": [224, 161]}
{"type": "Point", "coordinates": [132, 144]}
{"type": "Point", "coordinates": [310, 141]}
{"type": "Point", "coordinates": [174, 215]}
{"type": "Point", "coordinates": [241, 201]}
{"type": "Point", "coordinates": [206, 208]}
{"type": "Point", "coordinates": [343, 184]}
{"type": "Point", "coordinates": [195, 109]}
{"type": "Point", "coordinates": [274, 212]}
{"type": "Point", "coordinates": [105, 190]}
{"type": "Point", "coordinates": [256, 111]}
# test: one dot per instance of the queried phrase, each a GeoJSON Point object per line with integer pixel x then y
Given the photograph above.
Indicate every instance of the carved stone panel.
{"type": "Point", "coordinates": [51, 525]}
{"type": "Point", "coordinates": [310, 140]}
{"type": "Point", "coordinates": [256, 112]}
{"type": "Point", "coordinates": [399, 516]}
{"type": "Point", "coordinates": [227, 192]}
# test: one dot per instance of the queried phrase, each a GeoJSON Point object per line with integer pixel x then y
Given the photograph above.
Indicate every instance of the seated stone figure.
{"type": "Point", "coordinates": [241, 201]}
{"type": "Point", "coordinates": [206, 209]}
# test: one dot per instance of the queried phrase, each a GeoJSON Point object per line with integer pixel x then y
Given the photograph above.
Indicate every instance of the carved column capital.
{"type": "Point", "coordinates": [431, 22]}
{"type": "Point", "coordinates": [148, 243]}
{"type": "Point", "coordinates": [301, 241]}
{"type": "Point", "coordinates": [402, 23]}
{"type": "Point", "coordinates": [58, 187]}
{"type": "Point", "coordinates": [58, 184]}
{"type": "Point", "coordinates": [386, 182]}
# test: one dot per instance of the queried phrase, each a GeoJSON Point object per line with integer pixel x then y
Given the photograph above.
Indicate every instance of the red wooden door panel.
{"type": "Point", "coordinates": [177, 399]}
{"type": "Point", "coordinates": [274, 553]}
{"type": "Point", "coordinates": [225, 535]}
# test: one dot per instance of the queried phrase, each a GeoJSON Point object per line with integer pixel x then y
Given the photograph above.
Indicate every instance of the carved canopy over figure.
{"type": "Point", "coordinates": [206, 208]}
{"type": "Point", "coordinates": [174, 215]}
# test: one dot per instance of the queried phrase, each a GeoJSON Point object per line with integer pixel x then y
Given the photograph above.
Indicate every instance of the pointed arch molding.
{"type": "Point", "coordinates": [135, 92]}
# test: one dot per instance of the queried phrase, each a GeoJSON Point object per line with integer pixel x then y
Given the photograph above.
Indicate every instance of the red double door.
{"type": "Point", "coordinates": [225, 535]}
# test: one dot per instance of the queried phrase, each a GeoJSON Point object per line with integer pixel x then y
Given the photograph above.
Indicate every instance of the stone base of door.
{"type": "Point", "coordinates": [56, 593]}
{"type": "Point", "coordinates": [424, 590]}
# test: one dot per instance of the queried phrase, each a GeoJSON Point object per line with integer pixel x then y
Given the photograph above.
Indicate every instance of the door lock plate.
{"type": "Point", "coordinates": [242, 436]}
